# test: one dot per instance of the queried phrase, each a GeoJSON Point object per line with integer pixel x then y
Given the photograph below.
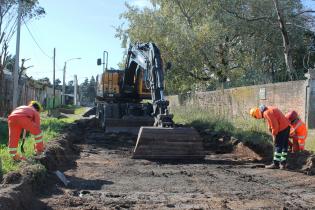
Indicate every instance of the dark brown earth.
{"type": "Point", "coordinates": [103, 176]}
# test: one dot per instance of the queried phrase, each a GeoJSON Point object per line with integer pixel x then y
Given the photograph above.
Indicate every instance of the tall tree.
{"type": "Point", "coordinates": [224, 42]}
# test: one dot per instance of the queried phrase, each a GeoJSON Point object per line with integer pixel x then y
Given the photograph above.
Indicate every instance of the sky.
{"type": "Point", "coordinates": [77, 29]}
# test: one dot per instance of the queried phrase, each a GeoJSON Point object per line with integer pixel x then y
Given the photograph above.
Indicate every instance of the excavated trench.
{"type": "Point", "coordinates": [103, 176]}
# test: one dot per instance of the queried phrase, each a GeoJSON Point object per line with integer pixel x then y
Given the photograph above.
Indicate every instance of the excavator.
{"type": "Point", "coordinates": [132, 100]}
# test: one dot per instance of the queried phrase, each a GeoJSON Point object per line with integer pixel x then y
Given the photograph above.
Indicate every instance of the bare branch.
{"type": "Point", "coordinates": [302, 12]}
{"type": "Point", "coordinates": [198, 77]}
{"type": "Point", "coordinates": [262, 18]}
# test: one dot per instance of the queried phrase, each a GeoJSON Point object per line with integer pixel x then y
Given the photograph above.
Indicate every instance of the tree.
{"type": "Point", "coordinates": [84, 96]}
{"type": "Point", "coordinates": [91, 89]}
{"type": "Point", "coordinates": [57, 84]}
{"type": "Point", "coordinates": [8, 16]}
{"type": "Point", "coordinates": [45, 81]}
{"type": "Point", "coordinates": [220, 42]}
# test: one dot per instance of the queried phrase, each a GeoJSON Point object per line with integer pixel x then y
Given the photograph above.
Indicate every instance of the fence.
{"type": "Point", "coordinates": [28, 90]}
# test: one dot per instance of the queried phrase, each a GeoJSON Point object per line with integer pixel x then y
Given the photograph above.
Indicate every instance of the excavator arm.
{"type": "Point", "coordinates": [146, 58]}
{"type": "Point", "coordinates": [163, 140]}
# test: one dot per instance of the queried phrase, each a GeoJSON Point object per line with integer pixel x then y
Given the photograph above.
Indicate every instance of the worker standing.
{"type": "Point", "coordinates": [298, 132]}
{"type": "Point", "coordinates": [28, 118]}
{"type": "Point", "coordinates": [280, 130]}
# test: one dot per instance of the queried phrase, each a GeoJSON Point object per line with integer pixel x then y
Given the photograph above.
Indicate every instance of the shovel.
{"type": "Point", "coordinates": [23, 141]}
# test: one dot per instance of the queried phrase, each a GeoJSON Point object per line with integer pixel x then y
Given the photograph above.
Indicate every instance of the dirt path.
{"type": "Point", "coordinates": [106, 178]}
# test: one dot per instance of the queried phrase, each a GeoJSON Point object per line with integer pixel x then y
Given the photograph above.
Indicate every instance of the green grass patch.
{"type": "Point", "coordinates": [80, 110]}
{"type": "Point", "coordinates": [245, 129]}
{"type": "Point", "coordinates": [51, 128]}
{"type": "Point", "coordinates": [310, 140]}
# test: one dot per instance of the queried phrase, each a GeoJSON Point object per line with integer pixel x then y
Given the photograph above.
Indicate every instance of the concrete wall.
{"type": "Point", "coordinates": [238, 101]}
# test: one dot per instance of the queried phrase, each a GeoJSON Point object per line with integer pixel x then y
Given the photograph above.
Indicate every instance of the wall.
{"type": "Point", "coordinates": [238, 101]}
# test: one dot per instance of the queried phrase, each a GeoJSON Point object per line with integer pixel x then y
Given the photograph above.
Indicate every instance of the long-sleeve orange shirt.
{"type": "Point", "coordinates": [276, 120]}
{"type": "Point", "coordinates": [26, 111]}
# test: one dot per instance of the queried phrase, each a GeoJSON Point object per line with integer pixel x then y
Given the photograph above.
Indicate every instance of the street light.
{"type": "Point", "coordinates": [64, 78]}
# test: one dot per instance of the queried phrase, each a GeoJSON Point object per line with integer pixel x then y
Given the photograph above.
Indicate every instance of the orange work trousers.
{"type": "Point", "coordinates": [16, 124]}
{"type": "Point", "coordinates": [297, 144]}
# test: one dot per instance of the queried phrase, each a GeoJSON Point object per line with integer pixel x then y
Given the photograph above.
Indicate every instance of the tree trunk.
{"type": "Point", "coordinates": [286, 42]}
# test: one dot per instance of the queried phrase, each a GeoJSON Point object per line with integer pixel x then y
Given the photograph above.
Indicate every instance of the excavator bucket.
{"type": "Point", "coordinates": [168, 143]}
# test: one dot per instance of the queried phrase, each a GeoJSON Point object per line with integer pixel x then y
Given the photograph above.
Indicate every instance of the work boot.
{"type": "Point", "coordinates": [283, 166]}
{"type": "Point", "coordinates": [272, 166]}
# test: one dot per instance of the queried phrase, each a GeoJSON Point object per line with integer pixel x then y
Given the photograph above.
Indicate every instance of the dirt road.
{"type": "Point", "coordinates": [105, 177]}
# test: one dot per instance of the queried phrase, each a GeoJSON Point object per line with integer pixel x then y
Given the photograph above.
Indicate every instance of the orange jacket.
{"type": "Point", "coordinates": [298, 130]}
{"type": "Point", "coordinates": [26, 111]}
{"type": "Point", "coordinates": [276, 120]}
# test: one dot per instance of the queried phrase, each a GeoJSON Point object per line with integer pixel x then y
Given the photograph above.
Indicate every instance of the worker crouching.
{"type": "Point", "coordinates": [280, 130]}
{"type": "Point", "coordinates": [28, 118]}
{"type": "Point", "coordinates": [298, 132]}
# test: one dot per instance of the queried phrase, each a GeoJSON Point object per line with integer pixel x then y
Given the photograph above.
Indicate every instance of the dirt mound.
{"type": "Point", "coordinates": [258, 152]}
{"type": "Point", "coordinates": [303, 161]}
{"type": "Point", "coordinates": [244, 151]}
{"type": "Point", "coordinates": [17, 189]}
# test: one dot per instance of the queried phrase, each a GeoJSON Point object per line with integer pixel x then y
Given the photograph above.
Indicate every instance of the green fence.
{"type": "Point", "coordinates": [50, 101]}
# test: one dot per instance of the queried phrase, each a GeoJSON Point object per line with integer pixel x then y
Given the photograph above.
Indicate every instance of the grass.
{"type": "Point", "coordinates": [310, 141]}
{"type": "Point", "coordinates": [245, 129]}
{"type": "Point", "coordinates": [51, 128]}
{"type": "Point", "coordinates": [80, 110]}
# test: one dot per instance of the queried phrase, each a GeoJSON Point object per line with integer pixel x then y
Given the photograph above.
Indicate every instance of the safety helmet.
{"type": "Point", "coordinates": [293, 115]}
{"type": "Point", "coordinates": [256, 113]}
{"type": "Point", "coordinates": [36, 105]}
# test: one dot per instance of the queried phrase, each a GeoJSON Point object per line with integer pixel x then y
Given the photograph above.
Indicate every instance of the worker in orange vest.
{"type": "Point", "coordinates": [280, 130]}
{"type": "Point", "coordinates": [298, 132]}
{"type": "Point", "coordinates": [27, 118]}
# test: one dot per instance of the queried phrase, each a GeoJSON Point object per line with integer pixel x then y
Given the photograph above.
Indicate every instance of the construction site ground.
{"type": "Point", "coordinates": [103, 175]}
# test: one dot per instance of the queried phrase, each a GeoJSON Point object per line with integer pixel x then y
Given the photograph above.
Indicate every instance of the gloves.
{"type": "Point", "coordinates": [18, 157]}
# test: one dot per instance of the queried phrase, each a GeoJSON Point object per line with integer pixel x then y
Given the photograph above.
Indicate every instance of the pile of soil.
{"type": "Point", "coordinates": [220, 143]}
{"type": "Point", "coordinates": [17, 188]}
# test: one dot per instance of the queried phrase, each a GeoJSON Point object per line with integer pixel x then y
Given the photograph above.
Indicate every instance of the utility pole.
{"type": "Point", "coordinates": [54, 74]}
{"type": "Point", "coordinates": [75, 90]}
{"type": "Point", "coordinates": [64, 84]}
{"type": "Point", "coordinates": [17, 58]}
{"type": "Point", "coordinates": [64, 79]}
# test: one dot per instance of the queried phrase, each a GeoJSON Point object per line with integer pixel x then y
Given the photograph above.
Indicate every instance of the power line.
{"type": "Point", "coordinates": [36, 41]}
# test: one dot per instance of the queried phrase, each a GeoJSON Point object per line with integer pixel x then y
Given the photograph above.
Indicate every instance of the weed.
{"type": "Point", "coordinates": [245, 129]}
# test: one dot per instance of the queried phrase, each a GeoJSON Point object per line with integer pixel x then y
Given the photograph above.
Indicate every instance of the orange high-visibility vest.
{"type": "Point", "coordinates": [276, 120]}
{"type": "Point", "coordinates": [299, 132]}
